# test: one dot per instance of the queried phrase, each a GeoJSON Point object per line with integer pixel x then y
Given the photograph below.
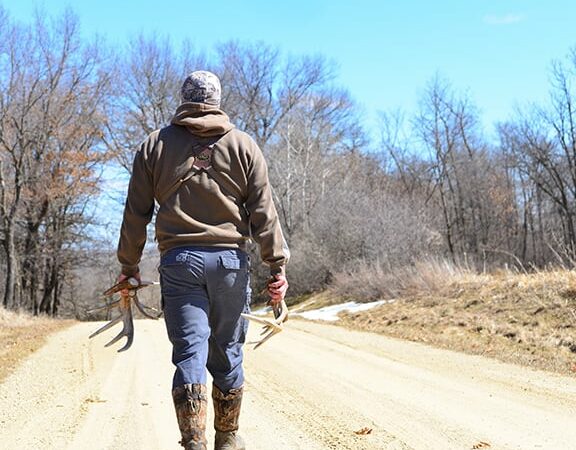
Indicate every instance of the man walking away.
{"type": "Point", "coordinates": [210, 181]}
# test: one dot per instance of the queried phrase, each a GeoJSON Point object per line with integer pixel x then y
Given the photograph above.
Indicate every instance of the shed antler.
{"type": "Point", "coordinates": [271, 327]}
{"type": "Point", "coordinates": [128, 294]}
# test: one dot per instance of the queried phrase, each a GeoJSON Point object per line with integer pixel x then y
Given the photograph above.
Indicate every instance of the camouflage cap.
{"type": "Point", "coordinates": [201, 87]}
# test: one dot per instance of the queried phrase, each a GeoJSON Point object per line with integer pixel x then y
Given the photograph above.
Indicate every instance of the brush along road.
{"type": "Point", "coordinates": [311, 387]}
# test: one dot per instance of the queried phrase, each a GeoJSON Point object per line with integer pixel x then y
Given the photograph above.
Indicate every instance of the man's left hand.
{"type": "Point", "coordinates": [123, 277]}
{"type": "Point", "coordinates": [277, 287]}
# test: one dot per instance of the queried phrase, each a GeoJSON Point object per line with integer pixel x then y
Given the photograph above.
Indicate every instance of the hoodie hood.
{"type": "Point", "coordinates": [202, 119]}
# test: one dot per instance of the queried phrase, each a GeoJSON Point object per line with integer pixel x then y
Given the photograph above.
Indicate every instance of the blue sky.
{"type": "Point", "coordinates": [498, 50]}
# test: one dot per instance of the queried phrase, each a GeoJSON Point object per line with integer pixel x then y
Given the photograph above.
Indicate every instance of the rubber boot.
{"type": "Point", "coordinates": [191, 404]}
{"type": "Point", "coordinates": [226, 415]}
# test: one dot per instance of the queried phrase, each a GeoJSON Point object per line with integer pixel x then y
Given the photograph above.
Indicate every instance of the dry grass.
{"type": "Point", "coordinates": [369, 282]}
{"type": "Point", "coordinates": [22, 334]}
{"type": "Point", "coordinates": [528, 319]}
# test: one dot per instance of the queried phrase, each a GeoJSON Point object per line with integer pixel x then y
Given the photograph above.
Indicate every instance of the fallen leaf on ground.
{"type": "Point", "coordinates": [94, 400]}
{"type": "Point", "coordinates": [363, 431]}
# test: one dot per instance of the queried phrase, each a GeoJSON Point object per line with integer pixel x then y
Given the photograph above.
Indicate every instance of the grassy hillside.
{"type": "Point", "coordinates": [528, 319]}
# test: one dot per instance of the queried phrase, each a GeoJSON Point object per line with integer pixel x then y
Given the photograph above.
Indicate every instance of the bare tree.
{"type": "Point", "coordinates": [147, 84]}
{"type": "Point", "coordinates": [262, 87]}
{"type": "Point", "coordinates": [541, 144]}
{"type": "Point", "coordinates": [302, 158]}
{"type": "Point", "coordinates": [442, 156]}
{"type": "Point", "coordinates": [51, 121]}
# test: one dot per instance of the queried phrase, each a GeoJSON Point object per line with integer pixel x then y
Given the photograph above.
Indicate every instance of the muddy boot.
{"type": "Point", "coordinates": [226, 414]}
{"type": "Point", "coordinates": [191, 403]}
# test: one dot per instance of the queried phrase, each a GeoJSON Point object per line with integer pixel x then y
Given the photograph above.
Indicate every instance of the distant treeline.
{"type": "Point", "coordinates": [434, 186]}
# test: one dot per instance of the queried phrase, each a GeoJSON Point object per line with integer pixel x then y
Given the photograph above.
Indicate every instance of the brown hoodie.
{"type": "Point", "coordinates": [218, 201]}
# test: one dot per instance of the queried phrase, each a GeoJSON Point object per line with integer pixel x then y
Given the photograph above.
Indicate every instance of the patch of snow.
{"type": "Point", "coordinates": [331, 312]}
{"type": "Point", "coordinates": [299, 307]}
{"type": "Point", "coordinates": [262, 311]}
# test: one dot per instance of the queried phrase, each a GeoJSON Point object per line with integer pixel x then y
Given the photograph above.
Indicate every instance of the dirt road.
{"type": "Point", "coordinates": [309, 388]}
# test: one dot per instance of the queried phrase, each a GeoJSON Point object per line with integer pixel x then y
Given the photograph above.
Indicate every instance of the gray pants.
{"type": "Point", "coordinates": [204, 291]}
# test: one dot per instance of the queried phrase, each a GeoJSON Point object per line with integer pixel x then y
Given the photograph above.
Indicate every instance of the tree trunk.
{"type": "Point", "coordinates": [56, 297]}
{"type": "Point", "coordinates": [10, 300]}
{"type": "Point", "coordinates": [46, 306]}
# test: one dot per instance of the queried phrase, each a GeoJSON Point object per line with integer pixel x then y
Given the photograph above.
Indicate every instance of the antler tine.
{"type": "Point", "coordinates": [107, 326]}
{"type": "Point", "coordinates": [265, 330]}
{"type": "Point", "coordinates": [271, 327]}
{"type": "Point", "coordinates": [128, 324]}
{"type": "Point", "coordinates": [103, 308]}
{"type": "Point", "coordinates": [264, 339]}
{"type": "Point", "coordinates": [280, 312]}
{"type": "Point", "coordinates": [128, 293]}
{"type": "Point", "coordinates": [143, 309]}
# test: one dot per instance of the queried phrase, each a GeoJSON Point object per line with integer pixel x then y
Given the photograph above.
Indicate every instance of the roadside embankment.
{"type": "Point", "coordinates": [22, 334]}
{"type": "Point", "coordinates": [527, 319]}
